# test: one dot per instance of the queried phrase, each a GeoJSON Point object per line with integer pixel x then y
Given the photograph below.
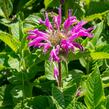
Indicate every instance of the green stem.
{"type": "Point", "coordinates": [60, 75]}
{"type": "Point", "coordinates": [22, 104]}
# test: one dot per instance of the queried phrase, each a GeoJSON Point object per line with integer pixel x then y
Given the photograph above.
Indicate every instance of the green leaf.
{"type": "Point", "coordinates": [32, 19]}
{"type": "Point", "coordinates": [43, 84]}
{"type": "Point", "coordinates": [64, 69]}
{"type": "Point", "coordinates": [107, 100]}
{"type": "Point", "coordinates": [49, 69]}
{"type": "Point", "coordinates": [97, 6]}
{"type": "Point", "coordinates": [99, 55]}
{"type": "Point", "coordinates": [14, 29]}
{"type": "Point", "coordinates": [76, 7]}
{"type": "Point", "coordinates": [13, 63]}
{"type": "Point", "coordinates": [47, 3]}
{"type": "Point", "coordinates": [79, 105]}
{"type": "Point", "coordinates": [58, 96]}
{"type": "Point", "coordinates": [94, 96]}
{"type": "Point", "coordinates": [69, 93]}
{"type": "Point", "coordinates": [19, 91]}
{"type": "Point", "coordinates": [7, 7]}
{"type": "Point", "coordinates": [87, 2]}
{"type": "Point", "coordinates": [76, 56]}
{"type": "Point", "coordinates": [105, 76]}
{"type": "Point", "coordinates": [65, 98]}
{"type": "Point", "coordinates": [9, 40]}
{"type": "Point", "coordinates": [8, 100]}
{"type": "Point", "coordinates": [2, 60]}
{"type": "Point", "coordinates": [23, 4]}
{"type": "Point", "coordinates": [2, 90]}
{"type": "Point", "coordinates": [38, 102]}
{"type": "Point", "coordinates": [83, 62]}
{"type": "Point", "coordinates": [75, 76]}
{"type": "Point", "coordinates": [96, 16]}
{"type": "Point", "coordinates": [29, 3]}
{"type": "Point", "coordinates": [103, 48]}
{"type": "Point", "coordinates": [97, 33]}
{"type": "Point", "coordinates": [76, 105]}
{"type": "Point", "coordinates": [16, 77]}
{"type": "Point", "coordinates": [1, 12]}
{"type": "Point", "coordinates": [107, 19]}
{"type": "Point", "coordinates": [34, 69]}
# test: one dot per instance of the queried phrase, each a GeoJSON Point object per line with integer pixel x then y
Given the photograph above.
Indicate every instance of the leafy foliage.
{"type": "Point", "coordinates": [94, 97]}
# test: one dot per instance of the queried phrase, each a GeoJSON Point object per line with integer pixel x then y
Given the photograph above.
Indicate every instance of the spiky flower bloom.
{"type": "Point", "coordinates": [59, 36]}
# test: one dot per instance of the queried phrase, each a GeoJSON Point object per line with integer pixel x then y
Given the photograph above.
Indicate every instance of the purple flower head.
{"type": "Point", "coordinates": [59, 36]}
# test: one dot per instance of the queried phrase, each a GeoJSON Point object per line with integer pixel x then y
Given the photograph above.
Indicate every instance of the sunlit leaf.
{"type": "Point", "coordinates": [99, 55]}
{"type": "Point", "coordinates": [47, 2]}
{"type": "Point", "coordinates": [94, 97]}
{"type": "Point", "coordinates": [97, 33]}
{"type": "Point", "coordinates": [96, 16]}
{"type": "Point", "coordinates": [9, 40]}
{"type": "Point", "coordinates": [49, 69]}
{"type": "Point", "coordinates": [14, 63]}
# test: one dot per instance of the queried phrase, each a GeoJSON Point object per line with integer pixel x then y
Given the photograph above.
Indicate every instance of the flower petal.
{"type": "Point", "coordinates": [36, 41]}
{"type": "Point", "coordinates": [30, 37]}
{"type": "Point", "coordinates": [46, 47]}
{"type": "Point", "coordinates": [37, 33]}
{"type": "Point", "coordinates": [67, 45]}
{"type": "Point", "coordinates": [56, 73]}
{"type": "Point", "coordinates": [57, 19]}
{"type": "Point", "coordinates": [69, 21]}
{"type": "Point", "coordinates": [78, 45]}
{"type": "Point", "coordinates": [48, 23]}
{"type": "Point", "coordinates": [54, 54]}
{"type": "Point", "coordinates": [78, 31]}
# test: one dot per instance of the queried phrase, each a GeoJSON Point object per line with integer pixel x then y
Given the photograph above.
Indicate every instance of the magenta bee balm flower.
{"type": "Point", "coordinates": [59, 36]}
